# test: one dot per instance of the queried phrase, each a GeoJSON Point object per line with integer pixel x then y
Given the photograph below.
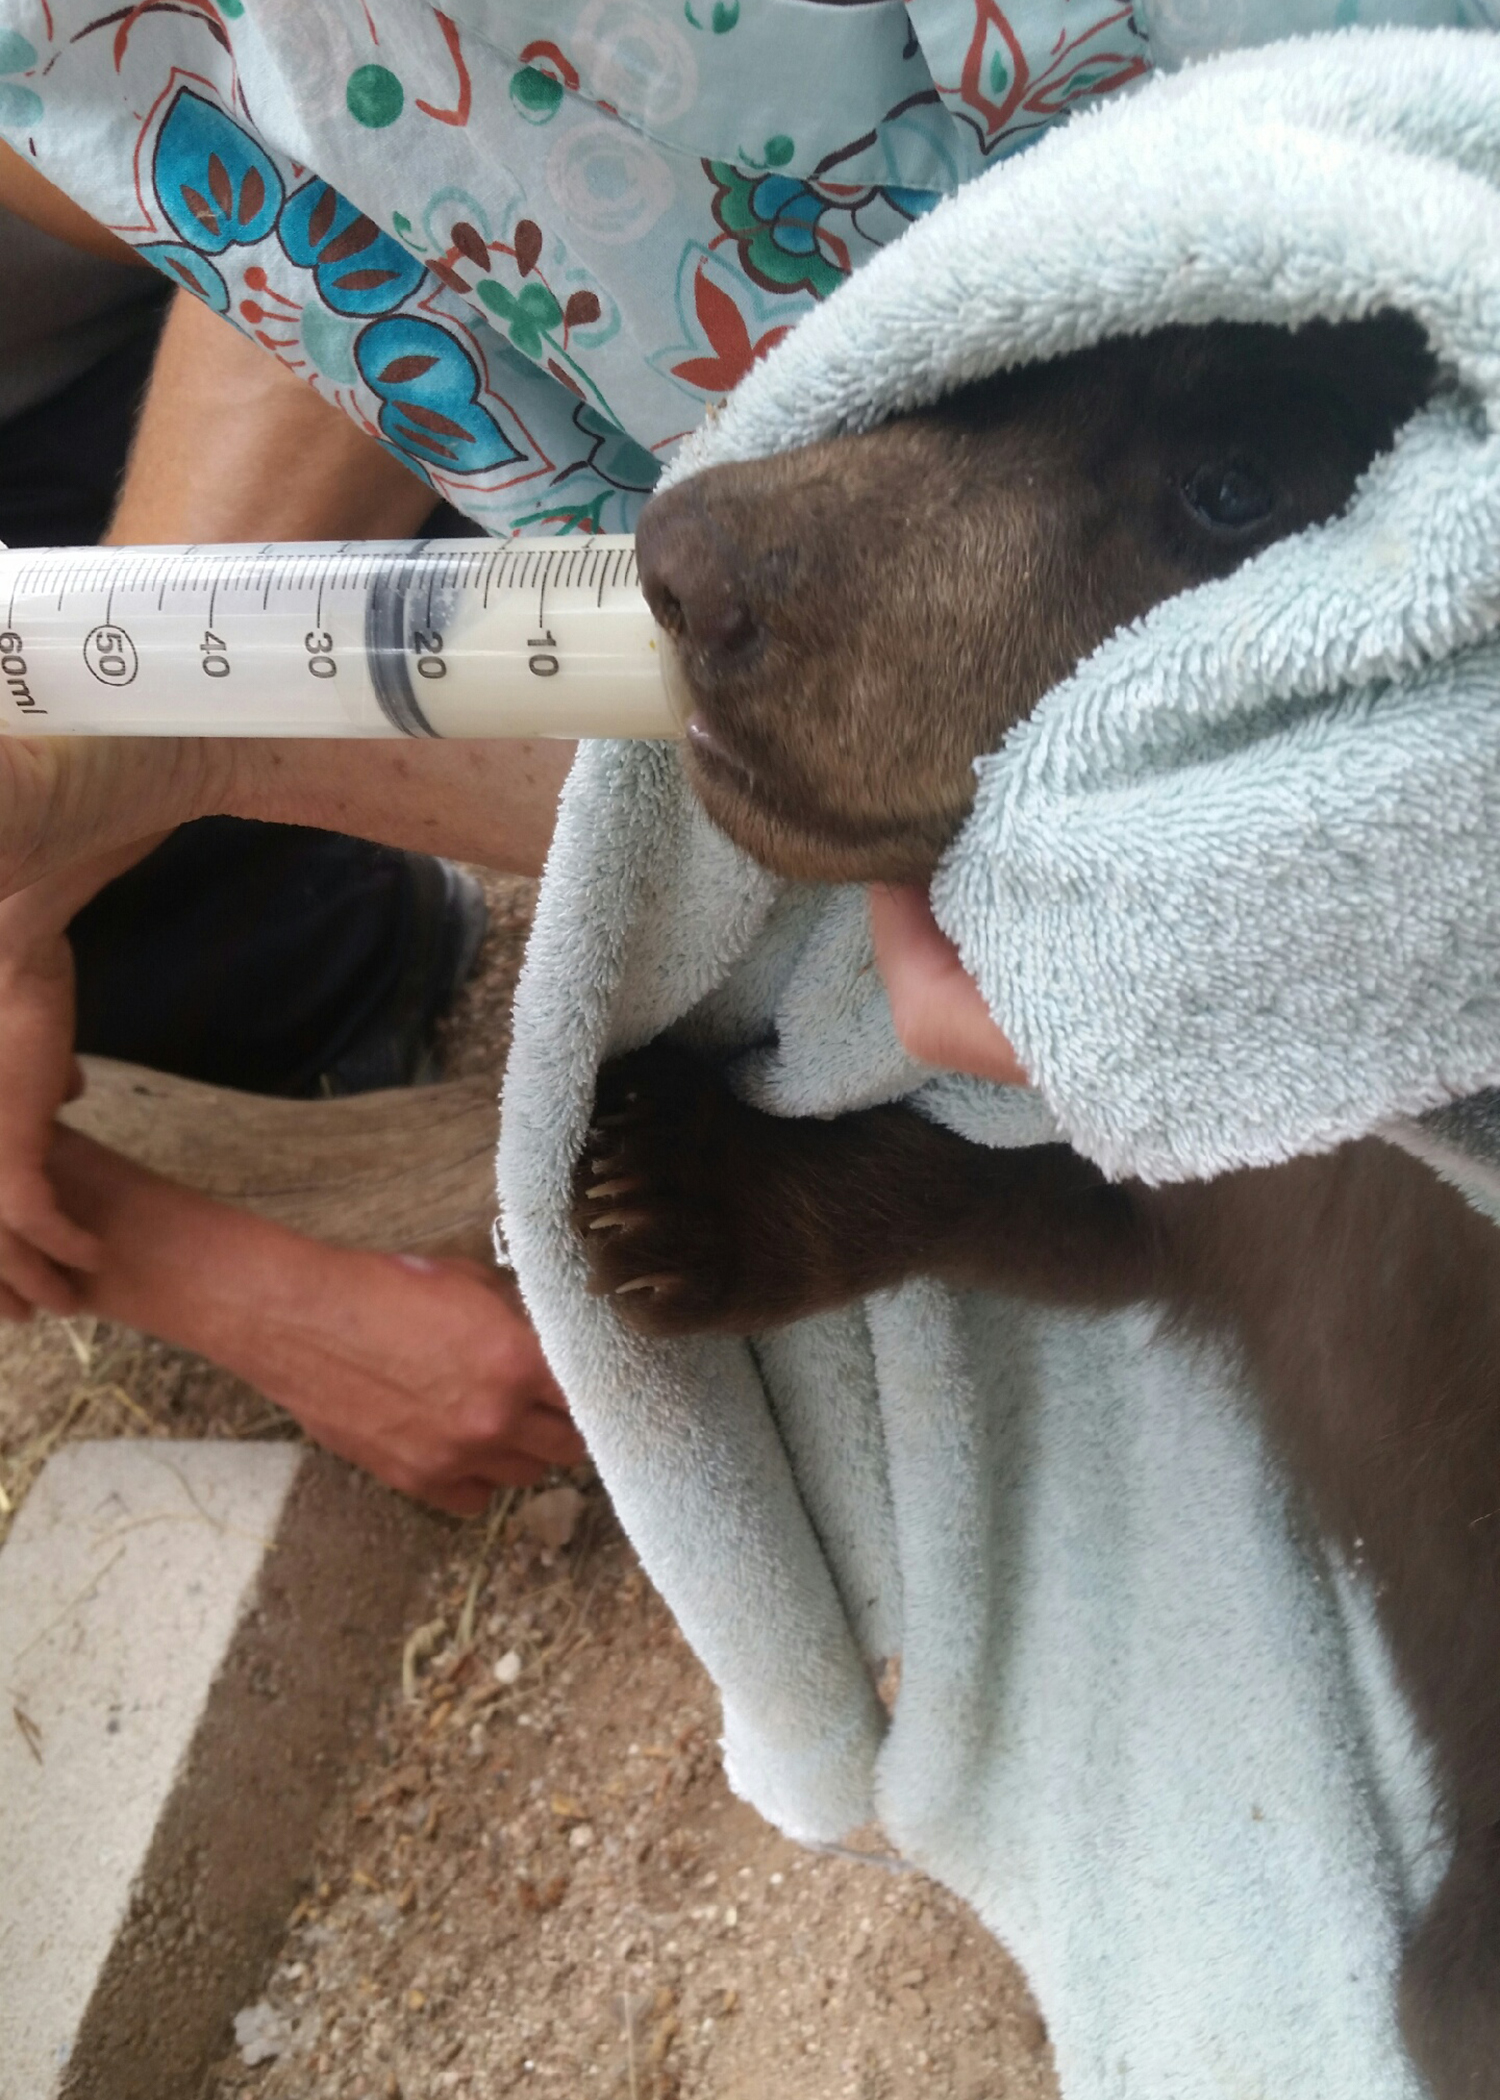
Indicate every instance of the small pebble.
{"type": "Point", "coordinates": [508, 1668]}
{"type": "Point", "coordinates": [261, 2034]}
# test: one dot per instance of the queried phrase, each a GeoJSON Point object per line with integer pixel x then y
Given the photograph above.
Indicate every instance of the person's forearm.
{"type": "Point", "coordinates": [63, 800]}
{"type": "Point", "coordinates": [233, 446]}
{"type": "Point", "coordinates": [494, 803]}
{"type": "Point", "coordinates": [162, 1240]}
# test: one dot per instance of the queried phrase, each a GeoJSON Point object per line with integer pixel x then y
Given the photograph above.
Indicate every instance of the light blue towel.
{"type": "Point", "coordinates": [1235, 893]}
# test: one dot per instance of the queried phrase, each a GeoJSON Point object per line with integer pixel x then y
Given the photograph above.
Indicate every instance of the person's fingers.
{"type": "Point", "coordinates": [13, 1307]}
{"type": "Point", "coordinates": [30, 1276]}
{"type": "Point", "coordinates": [30, 1209]}
{"type": "Point", "coordinates": [464, 1498]}
{"type": "Point", "coordinates": [471, 1496]}
{"type": "Point", "coordinates": [544, 1433]}
{"type": "Point", "coordinates": [937, 1009]}
{"type": "Point", "coordinates": [453, 1448]}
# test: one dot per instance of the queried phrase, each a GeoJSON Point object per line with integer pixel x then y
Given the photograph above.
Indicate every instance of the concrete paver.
{"type": "Point", "coordinates": [189, 1634]}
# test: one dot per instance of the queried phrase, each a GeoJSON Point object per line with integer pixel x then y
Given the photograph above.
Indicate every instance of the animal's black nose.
{"type": "Point", "coordinates": [691, 574]}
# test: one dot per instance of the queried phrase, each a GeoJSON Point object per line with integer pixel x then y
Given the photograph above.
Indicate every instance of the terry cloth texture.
{"type": "Point", "coordinates": [1234, 894]}
{"type": "Point", "coordinates": [1234, 891]}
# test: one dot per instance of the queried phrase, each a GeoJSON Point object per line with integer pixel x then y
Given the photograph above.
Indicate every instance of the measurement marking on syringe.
{"type": "Point", "coordinates": [190, 610]}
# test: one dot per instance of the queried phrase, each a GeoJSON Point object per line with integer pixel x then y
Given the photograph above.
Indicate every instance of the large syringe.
{"type": "Point", "coordinates": [446, 638]}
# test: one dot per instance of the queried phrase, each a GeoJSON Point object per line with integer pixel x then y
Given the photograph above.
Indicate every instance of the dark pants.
{"type": "Point", "coordinates": [252, 955]}
{"type": "Point", "coordinates": [258, 956]}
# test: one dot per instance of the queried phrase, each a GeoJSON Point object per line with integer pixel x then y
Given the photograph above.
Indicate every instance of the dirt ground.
{"type": "Point", "coordinates": [534, 1876]}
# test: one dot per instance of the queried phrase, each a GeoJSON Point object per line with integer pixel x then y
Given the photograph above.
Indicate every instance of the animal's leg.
{"type": "Point", "coordinates": [1450, 1980]}
{"type": "Point", "coordinates": [700, 1213]}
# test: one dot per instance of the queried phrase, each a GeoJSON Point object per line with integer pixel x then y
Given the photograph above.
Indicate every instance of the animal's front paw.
{"type": "Point", "coordinates": [662, 1192]}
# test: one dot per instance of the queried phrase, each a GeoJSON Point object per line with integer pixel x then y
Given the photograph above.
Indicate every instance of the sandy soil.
{"type": "Point", "coordinates": [534, 1877]}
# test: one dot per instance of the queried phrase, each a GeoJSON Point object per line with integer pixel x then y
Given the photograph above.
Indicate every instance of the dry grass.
{"type": "Point", "coordinates": [62, 1380]}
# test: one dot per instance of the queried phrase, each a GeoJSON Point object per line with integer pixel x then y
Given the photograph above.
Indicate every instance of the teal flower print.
{"type": "Point", "coordinates": [20, 107]}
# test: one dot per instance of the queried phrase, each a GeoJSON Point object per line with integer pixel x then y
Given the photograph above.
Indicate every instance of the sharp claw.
{"type": "Point", "coordinates": [617, 1121]}
{"type": "Point", "coordinates": [617, 1221]}
{"type": "Point", "coordinates": [621, 1187]}
{"type": "Point", "coordinates": [660, 1282]}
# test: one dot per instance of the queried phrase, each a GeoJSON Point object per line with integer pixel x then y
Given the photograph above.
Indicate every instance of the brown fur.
{"type": "Point", "coordinates": [857, 621]}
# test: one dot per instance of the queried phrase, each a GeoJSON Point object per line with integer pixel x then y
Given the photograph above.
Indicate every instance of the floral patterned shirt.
{"type": "Point", "coordinates": [527, 243]}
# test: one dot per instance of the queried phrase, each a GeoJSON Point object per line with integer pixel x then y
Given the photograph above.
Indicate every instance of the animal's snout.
{"type": "Point", "coordinates": [692, 573]}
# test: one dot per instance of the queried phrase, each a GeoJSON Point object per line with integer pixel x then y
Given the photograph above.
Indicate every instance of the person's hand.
{"type": "Point", "coordinates": [73, 810]}
{"type": "Point", "coordinates": [426, 1373]}
{"type": "Point", "coordinates": [38, 1073]}
{"type": "Point", "coordinates": [39, 1241]}
{"type": "Point", "coordinates": [429, 1375]}
{"type": "Point", "coordinates": [938, 1010]}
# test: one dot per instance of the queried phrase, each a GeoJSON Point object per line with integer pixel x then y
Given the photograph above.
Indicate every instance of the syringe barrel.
{"type": "Point", "coordinates": [456, 638]}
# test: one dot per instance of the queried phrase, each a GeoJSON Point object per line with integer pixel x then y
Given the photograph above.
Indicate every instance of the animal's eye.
{"type": "Point", "coordinates": [1231, 495]}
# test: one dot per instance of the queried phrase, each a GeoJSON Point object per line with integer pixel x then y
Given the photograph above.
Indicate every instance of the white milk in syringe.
{"type": "Point", "coordinates": [443, 638]}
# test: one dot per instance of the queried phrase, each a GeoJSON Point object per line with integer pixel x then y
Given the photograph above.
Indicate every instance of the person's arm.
{"type": "Point", "coordinates": [285, 464]}
{"type": "Point", "coordinates": [230, 445]}
{"type": "Point", "coordinates": [288, 465]}
{"type": "Point", "coordinates": [424, 1372]}
{"type": "Point", "coordinates": [65, 799]}
{"type": "Point", "coordinates": [419, 1371]}
{"type": "Point", "coordinates": [233, 446]}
